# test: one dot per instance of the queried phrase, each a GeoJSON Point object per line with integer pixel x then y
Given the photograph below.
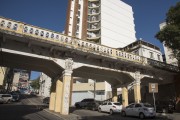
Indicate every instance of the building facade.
{"type": "Point", "coordinates": [108, 22]}
{"type": "Point", "coordinates": [145, 49]}
{"type": "Point", "coordinates": [45, 85]}
{"type": "Point", "coordinates": [169, 56]}
{"type": "Point", "coordinates": [20, 79]}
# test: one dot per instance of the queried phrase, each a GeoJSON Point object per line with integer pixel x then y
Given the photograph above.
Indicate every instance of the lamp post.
{"type": "Point", "coordinates": [94, 89]}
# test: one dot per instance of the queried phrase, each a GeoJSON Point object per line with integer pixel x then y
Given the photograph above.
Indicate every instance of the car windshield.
{"type": "Point", "coordinates": [147, 105]}
{"type": "Point", "coordinates": [116, 103]}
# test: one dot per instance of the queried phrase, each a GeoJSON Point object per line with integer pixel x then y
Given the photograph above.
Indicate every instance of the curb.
{"type": "Point", "coordinates": [64, 117]}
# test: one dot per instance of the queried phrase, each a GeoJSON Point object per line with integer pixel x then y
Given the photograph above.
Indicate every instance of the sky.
{"type": "Point", "coordinates": [51, 14]}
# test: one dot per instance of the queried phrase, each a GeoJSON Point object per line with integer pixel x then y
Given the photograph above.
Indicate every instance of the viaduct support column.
{"type": "Point", "coordinates": [114, 94]}
{"type": "Point", "coordinates": [66, 86]}
{"type": "Point", "coordinates": [52, 96]}
{"type": "Point", "coordinates": [124, 97]}
{"type": "Point", "coordinates": [137, 88]}
{"type": "Point", "coordinates": [58, 101]}
{"type": "Point", "coordinates": [52, 101]}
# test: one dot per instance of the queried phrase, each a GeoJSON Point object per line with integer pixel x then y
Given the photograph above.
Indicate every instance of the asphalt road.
{"type": "Point", "coordinates": [29, 108]}
{"type": "Point", "coordinates": [95, 115]}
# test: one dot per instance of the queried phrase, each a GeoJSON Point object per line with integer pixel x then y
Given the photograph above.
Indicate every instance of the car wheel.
{"type": "Point", "coordinates": [99, 109]}
{"type": "Point", "coordinates": [141, 116]}
{"type": "Point", "coordinates": [77, 106]}
{"type": "Point", "coordinates": [123, 113]}
{"type": "Point", "coordinates": [8, 101]}
{"type": "Point", "coordinates": [111, 112]}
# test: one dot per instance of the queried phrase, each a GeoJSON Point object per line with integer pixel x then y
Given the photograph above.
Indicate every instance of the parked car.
{"type": "Point", "coordinates": [93, 105]}
{"type": "Point", "coordinates": [140, 110]}
{"type": "Point", "coordinates": [5, 98]}
{"type": "Point", "coordinates": [15, 96]}
{"type": "Point", "coordinates": [110, 107]}
{"type": "Point", "coordinates": [83, 103]}
{"type": "Point", "coordinates": [46, 100]}
{"type": "Point", "coordinates": [165, 106]}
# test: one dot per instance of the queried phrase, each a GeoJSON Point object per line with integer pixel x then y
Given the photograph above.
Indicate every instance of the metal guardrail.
{"type": "Point", "coordinates": [85, 46]}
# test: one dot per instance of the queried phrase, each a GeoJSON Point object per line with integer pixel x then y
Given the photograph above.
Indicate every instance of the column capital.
{"type": "Point", "coordinates": [67, 72]}
{"type": "Point", "coordinates": [69, 64]}
{"type": "Point", "coordinates": [137, 77]}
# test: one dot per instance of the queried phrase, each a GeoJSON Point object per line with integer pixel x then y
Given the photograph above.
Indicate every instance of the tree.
{"type": "Point", "coordinates": [35, 83]}
{"type": "Point", "coordinates": [170, 34]}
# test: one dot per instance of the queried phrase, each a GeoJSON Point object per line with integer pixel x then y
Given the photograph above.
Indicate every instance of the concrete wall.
{"type": "Point", "coordinates": [117, 24]}
{"type": "Point", "coordinates": [88, 86]}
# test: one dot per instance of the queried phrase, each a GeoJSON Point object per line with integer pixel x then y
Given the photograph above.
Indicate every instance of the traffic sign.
{"type": "Point", "coordinates": [153, 87]}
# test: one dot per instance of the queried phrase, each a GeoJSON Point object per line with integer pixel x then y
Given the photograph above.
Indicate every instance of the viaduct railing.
{"type": "Point", "coordinates": [86, 46]}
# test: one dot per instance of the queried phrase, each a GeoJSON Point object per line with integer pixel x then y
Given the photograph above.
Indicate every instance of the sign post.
{"type": "Point", "coordinates": [153, 88]}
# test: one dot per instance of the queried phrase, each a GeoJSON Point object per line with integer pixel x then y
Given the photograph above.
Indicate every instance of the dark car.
{"type": "Point", "coordinates": [93, 105]}
{"type": "Point", "coordinates": [165, 106]}
{"type": "Point", "coordinates": [46, 100]}
{"type": "Point", "coordinates": [84, 102]}
{"type": "Point", "coordinates": [15, 96]}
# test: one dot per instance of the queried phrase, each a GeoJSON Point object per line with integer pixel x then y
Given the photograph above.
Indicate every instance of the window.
{"type": "Point", "coordinates": [104, 104]}
{"type": "Point", "coordinates": [151, 55]}
{"type": "Point", "coordinates": [158, 56]}
{"type": "Point", "coordinates": [109, 103]}
{"type": "Point", "coordinates": [79, 6]}
{"type": "Point", "coordinates": [138, 105]}
{"type": "Point", "coordinates": [130, 106]}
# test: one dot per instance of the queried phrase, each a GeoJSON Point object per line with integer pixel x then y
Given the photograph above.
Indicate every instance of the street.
{"type": "Point", "coordinates": [27, 109]}
{"type": "Point", "coordinates": [32, 108]}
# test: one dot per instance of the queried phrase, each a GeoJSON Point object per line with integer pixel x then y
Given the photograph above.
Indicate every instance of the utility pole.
{"type": "Point", "coordinates": [94, 89]}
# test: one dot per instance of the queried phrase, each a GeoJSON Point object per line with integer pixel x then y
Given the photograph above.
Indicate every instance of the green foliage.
{"type": "Point", "coordinates": [170, 34]}
{"type": "Point", "coordinates": [35, 83]}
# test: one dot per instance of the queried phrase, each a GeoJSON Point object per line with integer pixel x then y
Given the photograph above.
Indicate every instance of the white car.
{"type": "Point", "coordinates": [140, 110]}
{"type": "Point", "coordinates": [110, 107]}
{"type": "Point", "coordinates": [5, 98]}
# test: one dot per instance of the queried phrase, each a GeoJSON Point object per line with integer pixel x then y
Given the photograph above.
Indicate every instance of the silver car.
{"type": "Point", "coordinates": [5, 98]}
{"type": "Point", "coordinates": [140, 110]}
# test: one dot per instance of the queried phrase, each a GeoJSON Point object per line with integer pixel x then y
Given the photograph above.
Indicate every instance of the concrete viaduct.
{"type": "Point", "coordinates": [63, 57]}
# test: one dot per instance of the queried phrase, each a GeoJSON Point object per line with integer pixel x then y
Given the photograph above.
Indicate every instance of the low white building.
{"type": "Point", "coordinates": [45, 85]}
{"type": "Point", "coordinates": [88, 88]}
{"type": "Point", "coordinates": [145, 49]}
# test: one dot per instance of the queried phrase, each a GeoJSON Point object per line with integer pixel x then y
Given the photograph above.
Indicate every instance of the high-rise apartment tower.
{"type": "Point", "coordinates": [108, 22]}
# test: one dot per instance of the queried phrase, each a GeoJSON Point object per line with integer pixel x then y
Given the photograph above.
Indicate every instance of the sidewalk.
{"type": "Point", "coordinates": [71, 116]}
{"type": "Point", "coordinates": [174, 116]}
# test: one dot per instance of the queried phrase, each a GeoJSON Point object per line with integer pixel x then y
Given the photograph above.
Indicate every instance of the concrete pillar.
{"type": "Point", "coordinates": [114, 95]}
{"type": "Point", "coordinates": [66, 92]}
{"type": "Point", "coordinates": [124, 97]}
{"type": "Point", "coordinates": [71, 88]}
{"type": "Point", "coordinates": [52, 101]}
{"type": "Point", "coordinates": [58, 98]}
{"type": "Point", "coordinates": [137, 88]}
